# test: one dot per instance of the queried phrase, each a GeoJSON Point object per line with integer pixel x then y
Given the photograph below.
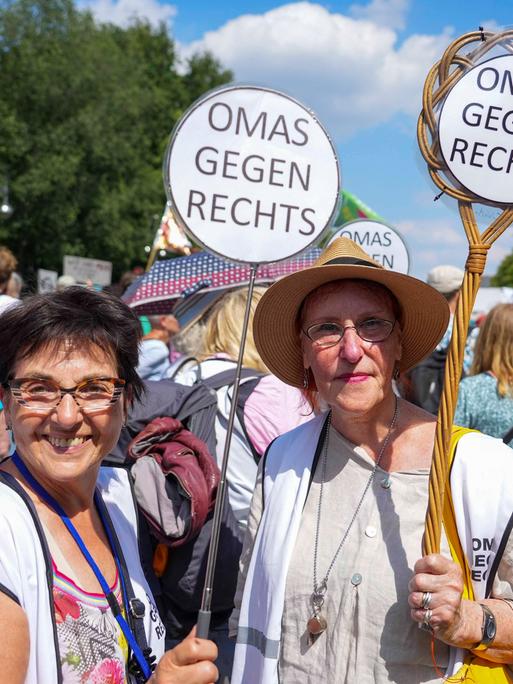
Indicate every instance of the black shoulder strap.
{"type": "Point", "coordinates": [244, 391]}
{"type": "Point", "coordinates": [320, 446]}
{"type": "Point", "coordinates": [135, 608]}
{"type": "Point", "coordinates": [226, 378]}
{"type": "Point", "coordinates": [508, 436]}
{"type": "Point", "coordinates": [264, 463]}
{"type": "Point", "coordinates": [181, 363]}
{"type": "Point", "coordinates": [315, 461]}
{"type": "Point", "coordinates": [11, 482]}
{"type": "Point", "coordinates": [498, 557]}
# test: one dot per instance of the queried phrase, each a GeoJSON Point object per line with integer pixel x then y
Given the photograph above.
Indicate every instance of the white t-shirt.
{"type": "Point", "coordinates": [6, 302]}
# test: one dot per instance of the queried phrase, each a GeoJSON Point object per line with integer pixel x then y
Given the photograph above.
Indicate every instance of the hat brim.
{"type": "Point", "coordinates": [425, 316]}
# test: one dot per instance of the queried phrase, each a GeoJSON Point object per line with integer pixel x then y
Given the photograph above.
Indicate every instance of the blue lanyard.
{"type": "Point", "coordinates": [111, 599]}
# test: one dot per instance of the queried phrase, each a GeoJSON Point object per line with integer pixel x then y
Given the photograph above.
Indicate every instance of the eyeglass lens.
{"type": "Point", "coordinates": [45, 394]}
{"type": "Point", "coordinates": [371, 330]}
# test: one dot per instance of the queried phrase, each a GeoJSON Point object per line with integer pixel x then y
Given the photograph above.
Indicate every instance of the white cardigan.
{"type": "Point", "coordinates": [483, 501]}
{"type": "Point", "coordinates": [26, 573]}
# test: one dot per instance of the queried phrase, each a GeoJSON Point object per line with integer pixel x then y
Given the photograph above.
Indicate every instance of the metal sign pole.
{"type": "Point", "coordinates": [195, 182]}
{"type": "Point", "coordinates": [204, 614]}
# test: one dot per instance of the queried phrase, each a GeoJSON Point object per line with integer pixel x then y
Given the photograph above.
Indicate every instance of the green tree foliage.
{"type": "Point", "coordinates": [86, 110]}
{"type": "Point", "coordinates": [504, 275]}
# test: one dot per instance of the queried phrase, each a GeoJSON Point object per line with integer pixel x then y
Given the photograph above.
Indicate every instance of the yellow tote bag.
{"type": "Point", "coordinates": [474, 669]}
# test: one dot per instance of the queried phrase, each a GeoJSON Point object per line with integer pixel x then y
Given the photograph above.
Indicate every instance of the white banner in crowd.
{"type": "Point", "coordinates": [83, 269]}
{"type": "Point", "coordinates": [380, 241]}
{"type": "Point", "coordinates": [476, 130]}
{"type": "Point", "coordinates": [252, 175]}
{"type": "Point", "coordinates": [46, 280]}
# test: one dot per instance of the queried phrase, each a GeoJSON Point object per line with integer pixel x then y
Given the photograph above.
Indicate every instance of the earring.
{"type": "Point", "coordinates": [306, 378]}
{"type": "Point", "coordinates": [396, 373]}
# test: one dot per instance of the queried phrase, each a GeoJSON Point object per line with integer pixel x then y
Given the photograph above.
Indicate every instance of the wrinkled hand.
{"type": "Point", "coordinates": [443, 578]}
{"type": "Point", "coordinates": [191, 662]}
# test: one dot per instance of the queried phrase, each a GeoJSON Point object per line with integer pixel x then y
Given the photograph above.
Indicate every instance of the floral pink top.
{"type": "Point", "coordinates": [92, 647]}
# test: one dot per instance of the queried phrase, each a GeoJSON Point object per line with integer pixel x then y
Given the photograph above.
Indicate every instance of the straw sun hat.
{"type": "Point", "coordinates": [424, 319]}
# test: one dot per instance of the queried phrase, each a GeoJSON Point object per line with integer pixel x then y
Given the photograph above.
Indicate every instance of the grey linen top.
{"type": "Point", "coordinates": [370, 638]}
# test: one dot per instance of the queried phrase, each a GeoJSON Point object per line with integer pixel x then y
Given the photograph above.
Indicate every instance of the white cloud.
{"type": "Point", "coordinates": [432, 242]}
{"type": "Point", "coordinates": [492, 25]}
{"type": "Point", "coordinates": [122, 12]}
{"type": "Point", "coordinates": [391, 13]}
{"type": "Point", "coordinates": [350, 71]}
{"type": "Point", "coordinates": [429, 231]}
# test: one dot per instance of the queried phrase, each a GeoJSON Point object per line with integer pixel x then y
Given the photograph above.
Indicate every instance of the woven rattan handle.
{"type": "Point", "coordinates": [441, 78]}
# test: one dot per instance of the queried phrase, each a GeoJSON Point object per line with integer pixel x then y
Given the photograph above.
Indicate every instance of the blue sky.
{"type": "Point", "coordinates": [361, 68]}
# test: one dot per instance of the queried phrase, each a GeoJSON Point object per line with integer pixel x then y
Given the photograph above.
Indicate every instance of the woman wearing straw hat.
{"type": "Point", "coordinates": [332, 588]}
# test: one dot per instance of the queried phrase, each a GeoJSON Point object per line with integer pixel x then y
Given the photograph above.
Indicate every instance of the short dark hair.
{"type": "Point", "coordinates": [85, 318]}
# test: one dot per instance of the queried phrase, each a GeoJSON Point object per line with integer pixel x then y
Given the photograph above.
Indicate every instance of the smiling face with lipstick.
{"type": "Point", "coordinates": [66, 406]}
{"type": "Point", "coordinates": [69, 545]}
{"type": "Point", "coordinates": [351, 341]}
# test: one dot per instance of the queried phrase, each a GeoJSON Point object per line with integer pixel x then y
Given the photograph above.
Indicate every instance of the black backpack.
{"type": "Point", "coordinates": [425, 381]}
{"type": "Point", "coordinates": [195, 407]}
{"type": "Point", "coordinates": [179, 590]}
{"type": "Point", "coordinates": [249, 380]}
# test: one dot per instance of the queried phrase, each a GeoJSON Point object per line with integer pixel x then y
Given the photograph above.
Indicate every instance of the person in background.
{"type": "Point", "coordinates": [8, 265]}
{"type": "Point", "coordinates": [75, 601]}
{"type": "Point", "coordinates": [154, 355]}
{"type": "Point", "coordinates": [14, 285]}
{"type": "Point", "coordinates": [271, 408]}
{"type": "Point", "coordinates": [65, 281]}
{"type": "Point", "coordinates": [7, 299]}
{"type": "Point", "coordinates": [124, 282]}
{"type": "Point", "coordinates": [448, 280]}
{"type": "Point", "coordinates": [423, 384]}
{"type": "Point", "coordinates": [485, 398]}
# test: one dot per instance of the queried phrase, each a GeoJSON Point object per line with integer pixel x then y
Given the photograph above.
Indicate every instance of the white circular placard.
{"type": "Point", "coordinates": [476, 130]}
{"type": "Point", "coordinates": [252, 174]}
{"type": "Point", "coordinates": [380, 241]}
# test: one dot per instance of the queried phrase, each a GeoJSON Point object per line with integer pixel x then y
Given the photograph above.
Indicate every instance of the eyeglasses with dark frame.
{"type": "Point", "coordinates": [42, 394]}
{"type": "Point", "coordinates": [329, 334]}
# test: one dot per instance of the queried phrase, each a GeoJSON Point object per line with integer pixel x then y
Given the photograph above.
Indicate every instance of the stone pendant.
{"type": "Point", "coordinates": [316, 625]}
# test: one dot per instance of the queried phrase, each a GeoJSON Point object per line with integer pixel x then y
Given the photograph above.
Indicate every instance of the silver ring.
{"type": "Point", "coordinates": [426, 600]}
{"type": "Point", "coordinates": [427, 618]}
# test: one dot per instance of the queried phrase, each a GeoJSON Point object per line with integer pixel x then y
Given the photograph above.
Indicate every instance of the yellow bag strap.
{"type": "Point", "coordinates": [475, 670]}
{"type": "Point", "coordinates": [449, 518]}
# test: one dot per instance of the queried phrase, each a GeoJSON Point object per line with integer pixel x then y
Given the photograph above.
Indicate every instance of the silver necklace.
{"type": "Point", "coordinates": [317, 623]}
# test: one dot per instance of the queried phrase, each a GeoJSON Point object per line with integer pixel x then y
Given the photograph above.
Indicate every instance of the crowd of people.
{"type": "Point", "coordinates": [113, 444]}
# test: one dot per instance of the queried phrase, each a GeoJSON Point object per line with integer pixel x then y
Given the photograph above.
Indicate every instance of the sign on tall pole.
{"type": "Point", "coordinates": [253, 177]}
{"type": "Point", "coordinates": [382, 242]}
{"type": "Point", "coordinates": [465, 135]}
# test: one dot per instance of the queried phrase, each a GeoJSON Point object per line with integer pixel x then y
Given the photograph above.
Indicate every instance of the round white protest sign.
{"type": "Point", "coordinates": [476, 130]}
{"type": "Point", "coordinates": [252, 174]}
{"type": "Point", "coordinates": [380, 241]}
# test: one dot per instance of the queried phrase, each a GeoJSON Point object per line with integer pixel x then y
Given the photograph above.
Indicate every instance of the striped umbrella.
{"type": "Point", "coordinates": [188, 277]}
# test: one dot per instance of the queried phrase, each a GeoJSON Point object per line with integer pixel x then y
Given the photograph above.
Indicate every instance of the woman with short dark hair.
{"type": "Point", "coordinates": [75, 604]}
